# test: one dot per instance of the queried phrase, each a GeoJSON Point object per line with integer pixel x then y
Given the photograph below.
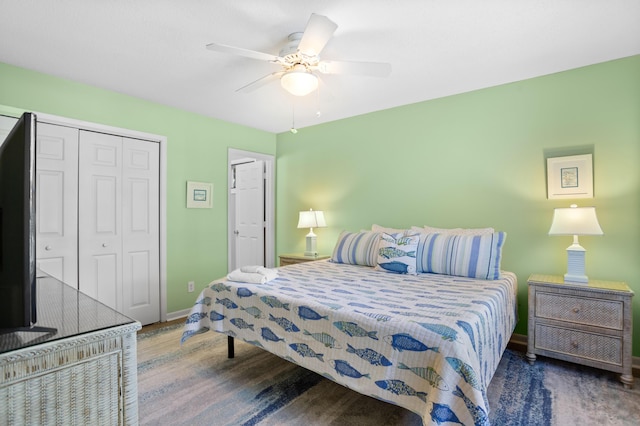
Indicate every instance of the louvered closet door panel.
{"type": "Point", "coordinates": [100, 217]}
{"type": "Point", "coordinates": [140, 230]}
{"type": "Point", "coordinates": [57, 202]}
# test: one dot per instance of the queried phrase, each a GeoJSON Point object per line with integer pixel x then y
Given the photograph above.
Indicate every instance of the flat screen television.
{"type": "Point", "coordinates": [18, 226]}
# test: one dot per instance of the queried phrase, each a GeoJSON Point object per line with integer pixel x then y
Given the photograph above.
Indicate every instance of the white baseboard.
{"type": "Point", "coordinates": [519, 342]}
{"type": "Point", "coordinates": [178, 314]}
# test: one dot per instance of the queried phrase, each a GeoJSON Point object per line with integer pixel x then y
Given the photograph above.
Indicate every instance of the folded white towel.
{"type": "Point", "coordinates": [246, 277]}
{"type": "Point", "coordinates": [271, 274]}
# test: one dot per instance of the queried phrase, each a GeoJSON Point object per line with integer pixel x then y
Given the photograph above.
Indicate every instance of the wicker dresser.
{"type": "Point", "coordinates": [83, 372]}
{"type": "Point", "coordinates": [589, 324]}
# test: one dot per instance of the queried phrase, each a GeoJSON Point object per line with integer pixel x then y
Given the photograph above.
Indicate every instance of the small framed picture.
{"type": "Point", "coordinates": [199, 195]}
{"type": "Point", "coordinates": [570, 177]}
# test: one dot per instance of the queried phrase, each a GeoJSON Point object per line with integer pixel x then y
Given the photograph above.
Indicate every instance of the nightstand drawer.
{"type": "Point", "coordinates": [580, 310]}
{"type": "Point", "coordinates": [577, 343]}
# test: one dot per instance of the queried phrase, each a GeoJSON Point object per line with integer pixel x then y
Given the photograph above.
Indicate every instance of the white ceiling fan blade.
{"type": "Point", "coordinates": [223, 48]}
{"type": "Point", "coordinates": [316, 35]}
{"type": "Point", "coordinates": [262, 81]}
{"type": "Point", "coordinates": [325, 91]}
{"type": "Point", "coordinates": [372, 69]}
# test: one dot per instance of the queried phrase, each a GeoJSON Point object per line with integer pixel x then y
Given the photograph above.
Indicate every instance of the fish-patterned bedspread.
{"type": "Point", "coordinates": [429, 343]}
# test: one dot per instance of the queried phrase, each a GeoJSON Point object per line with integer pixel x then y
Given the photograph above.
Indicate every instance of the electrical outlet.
{"type": "Point", "coordinates": [191, 286]}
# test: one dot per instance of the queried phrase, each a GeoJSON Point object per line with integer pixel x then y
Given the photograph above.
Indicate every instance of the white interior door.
{"type": "Point", "coordinates": [250, 221]}
{"type": "Point", "coordinates": [100, 218]}
{"type": "Point", "coordinates": [141, 230]}
{"type": "Point", "coordinates": [57, 202]}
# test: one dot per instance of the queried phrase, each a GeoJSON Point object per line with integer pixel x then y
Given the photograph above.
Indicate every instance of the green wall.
{"type": "Point", "coordinates": [196, 150]}
{"type": "Point", "coordinates": [478, 159]}
{"type": "Point", "coordinates": [473, 160]}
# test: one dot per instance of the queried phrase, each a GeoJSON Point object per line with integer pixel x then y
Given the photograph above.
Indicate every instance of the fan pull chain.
{"type": "Point", "coordinates": [293, 119]}
{"type": "Point", "coordinates": [318, 113]}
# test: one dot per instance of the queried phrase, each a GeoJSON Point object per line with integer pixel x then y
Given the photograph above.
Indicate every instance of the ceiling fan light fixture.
{"type": "Point", "coordinates": [299, 81]}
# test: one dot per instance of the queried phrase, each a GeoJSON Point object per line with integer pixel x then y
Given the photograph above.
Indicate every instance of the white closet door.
{"type": "Point", "coordinates": [141, 230]}
{"type": "Point", "coordinates": [250, 214]}
{"type": "Point", "coordinates": [6, 124]}
{"type": "Point", "coordinates": [57, 202]}
{"type": "Point", "coordinates": [98, 206]}
{"type": "Point", "coordinates": [100, 217]}
{"type": "Point", "coordinates": [56, 198]}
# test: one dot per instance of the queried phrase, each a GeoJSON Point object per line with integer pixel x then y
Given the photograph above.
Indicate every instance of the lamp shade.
{"type": "Point", "coordinates": [299, 81]}
{"type": "Point", "coordinates": [575, 220]}
{"type": "Point", "coordinates": [311, 219]}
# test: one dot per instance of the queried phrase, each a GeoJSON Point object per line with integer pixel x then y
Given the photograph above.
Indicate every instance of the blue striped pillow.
{"type": "Point", "coordinates": [357, 248]}
{"type": "Point", "coordinates": [473, 256]}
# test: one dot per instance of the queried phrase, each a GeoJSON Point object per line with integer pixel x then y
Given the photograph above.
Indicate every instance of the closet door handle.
{"type": "Point", "coordinates": [48, 248]}
{"type": "Point", "coordinates": [105, 245]}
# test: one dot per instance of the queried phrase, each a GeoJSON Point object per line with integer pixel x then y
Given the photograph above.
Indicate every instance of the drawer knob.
{"type": "Point", "coordinates": [576, 310]}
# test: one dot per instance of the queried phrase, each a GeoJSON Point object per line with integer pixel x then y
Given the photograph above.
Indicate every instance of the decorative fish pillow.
{"type": "Point", "coordinates": [397, 253]}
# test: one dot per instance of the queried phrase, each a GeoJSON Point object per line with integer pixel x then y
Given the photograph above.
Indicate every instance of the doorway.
{"type": "Point", "coordinates": [256, 189]}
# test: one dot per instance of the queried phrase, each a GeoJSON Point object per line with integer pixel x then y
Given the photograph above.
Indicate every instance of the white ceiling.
{"type": "Point", "coordinates": [155, 49]}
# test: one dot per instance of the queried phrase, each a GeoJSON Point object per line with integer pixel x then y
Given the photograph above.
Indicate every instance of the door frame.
{"type": "Point", "coordinates": [237, 156]}
{"type": "Point", "coordinates": [102, 128]}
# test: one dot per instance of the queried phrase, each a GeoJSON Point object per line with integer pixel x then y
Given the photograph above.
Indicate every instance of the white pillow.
{"type": "Point", "coordinates": [378, 228]}
{"type": "Point", "coordinates": [397, 253]}
{"type": "Point", "coordinates": [456, 231]}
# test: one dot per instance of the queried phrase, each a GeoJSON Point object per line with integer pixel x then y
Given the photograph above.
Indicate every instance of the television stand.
{"type": "Point", "coordinates": [82, 370]}
{"type": "Point", "coordinates": [36, 329]}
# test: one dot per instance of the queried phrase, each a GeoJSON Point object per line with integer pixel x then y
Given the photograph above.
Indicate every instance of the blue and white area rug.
{"type": "Point", "coordinates": [195, 384]}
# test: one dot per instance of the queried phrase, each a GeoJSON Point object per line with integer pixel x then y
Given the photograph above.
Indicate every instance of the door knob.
{"type": "Point", "coordinates": [47, 248]}
{"type": "Point", "coordinates": [105, 245]}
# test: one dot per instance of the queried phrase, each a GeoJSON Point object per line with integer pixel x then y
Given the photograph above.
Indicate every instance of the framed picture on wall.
{"type": "Point", "coordinates": [199, 195]}
{"type": "Point", "coordinates": [570, 177]}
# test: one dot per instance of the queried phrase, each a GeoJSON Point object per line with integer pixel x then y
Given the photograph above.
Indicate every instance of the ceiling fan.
{"type": "Point", "coordinates": [300, 60]}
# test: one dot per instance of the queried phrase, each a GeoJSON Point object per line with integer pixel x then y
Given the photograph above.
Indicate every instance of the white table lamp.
{"type": "Point", "coordinates": [311, 219]}
{"type": "Point", "coordinates": [575, 221]}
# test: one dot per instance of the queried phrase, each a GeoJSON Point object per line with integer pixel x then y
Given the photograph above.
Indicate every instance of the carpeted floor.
{"type": "Point", "coordinates": [195, 384]}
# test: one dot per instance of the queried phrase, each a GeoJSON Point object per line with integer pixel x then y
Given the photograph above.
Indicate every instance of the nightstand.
{"type": "Point", "coordinates": [589, 324]}
{"type": "Point", "coordinates": [290, 259]}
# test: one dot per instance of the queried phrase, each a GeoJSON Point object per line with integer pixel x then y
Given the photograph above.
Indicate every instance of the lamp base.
{"type": "Point", "coordinates": [575, 265]}
{"type": "Point", "coordinates": [575, 279]}
{"type": "Point", "coordinates": [311, 249]}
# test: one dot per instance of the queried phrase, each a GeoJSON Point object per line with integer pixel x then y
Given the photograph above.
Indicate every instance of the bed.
{"type": "Point", "coordinates": [428, 342]}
